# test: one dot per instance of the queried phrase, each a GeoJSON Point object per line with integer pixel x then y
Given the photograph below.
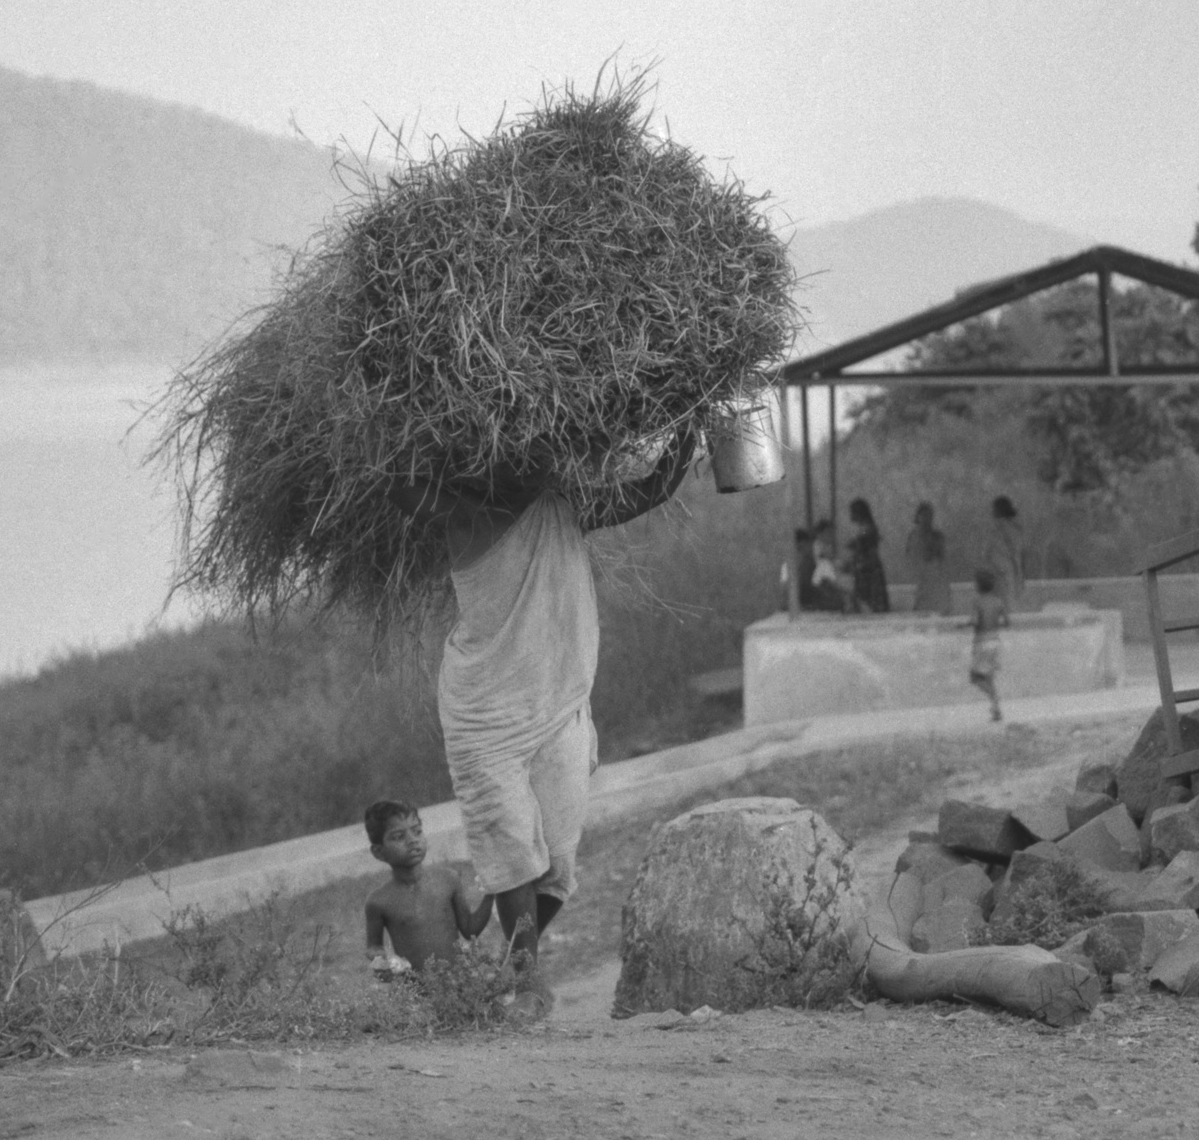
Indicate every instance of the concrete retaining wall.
{"type": "Point", "coordinates": [828, 664]}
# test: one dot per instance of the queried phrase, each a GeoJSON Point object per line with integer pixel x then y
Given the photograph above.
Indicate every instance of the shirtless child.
{"type": "Point", "coordinates": [989, 617]}
{"type": "Point", "coordinates": [423, 909]}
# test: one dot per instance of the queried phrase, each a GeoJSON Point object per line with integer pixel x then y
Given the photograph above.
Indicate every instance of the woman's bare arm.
{"type": "Point", "coordinates": [635, 499]}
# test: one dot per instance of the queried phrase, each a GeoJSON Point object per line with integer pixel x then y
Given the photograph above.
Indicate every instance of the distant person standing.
{"type": "Point", "coordinates": [1004, 552]}
{"type": "Point", "coordinates": [925, 551]}
{"type": "Point", "coordinates": [864, 562]}
{"type": "Point", "coordinates": [989, 616]}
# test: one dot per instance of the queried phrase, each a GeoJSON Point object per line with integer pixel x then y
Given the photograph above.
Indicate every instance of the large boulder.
{"type": "Point", "coordinates": [1138, 776]}
{"type": "Point", "coordinates": [739, 904]}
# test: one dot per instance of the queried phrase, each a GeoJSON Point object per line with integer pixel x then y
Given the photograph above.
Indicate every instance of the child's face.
{"type": "Point", "coordinates": [403, 843]}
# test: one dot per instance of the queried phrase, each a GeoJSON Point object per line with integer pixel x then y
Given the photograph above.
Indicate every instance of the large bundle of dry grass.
{"type": "Point", "coordinates": [555, 298]}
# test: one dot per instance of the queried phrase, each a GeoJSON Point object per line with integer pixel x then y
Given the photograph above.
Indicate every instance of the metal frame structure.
{"type": "Point", "coordinates": [828, 368]}
{"type": "Point", "coordinates": [1178, 761]}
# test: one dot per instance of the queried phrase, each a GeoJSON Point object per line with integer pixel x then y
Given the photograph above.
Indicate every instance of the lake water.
{"type": "Point", "coordinates": [86, 532]}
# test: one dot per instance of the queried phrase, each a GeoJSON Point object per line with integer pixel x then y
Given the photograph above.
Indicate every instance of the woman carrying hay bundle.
{"type": "Point", "coordinates": [514, 689]}
{"type": "Point", "coordinates": [451, 389]}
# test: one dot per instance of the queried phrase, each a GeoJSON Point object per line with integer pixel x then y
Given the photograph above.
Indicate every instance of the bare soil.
{"type": "Point", "coordinates": [870, 1069]}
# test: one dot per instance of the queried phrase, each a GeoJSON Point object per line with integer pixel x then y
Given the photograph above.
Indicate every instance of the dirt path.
{"type": "Point", "coordinates": [882, 1071]}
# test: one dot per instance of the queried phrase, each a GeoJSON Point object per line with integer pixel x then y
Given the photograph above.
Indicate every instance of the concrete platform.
{"type": "Point", "coordinates": [820, 665]}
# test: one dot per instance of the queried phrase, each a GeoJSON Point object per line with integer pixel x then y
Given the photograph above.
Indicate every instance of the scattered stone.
{"type": "Point", "coordinates": [1177, 968]}
{"type": "Point", "coordinates": [922, 837]}
{"type": "Point", "coordinates": [721, 900]}
{"type": "Point", "coordinates": [1123, 983]}
{"type": "Point", "coordinates": [954, 925]}
{"type": "Point", "coordinates": [979, 831]}
{"type": "Point", "coordinates": [968, 882]}
{"type": "Point", "coordinates": [1096, 775]}
{"type": "Point", "coordinates": [1163, 797]}
{"type": "Point", "coordinates": [1099, 946]}
{"type": "Point", "coordinates": [1138, 776]}
{"type": "Point", "coordinates": [1177, 885]}
{"type": "Point", "coordinates": [1125, 890]}
{"type": "Point", "coordinates": [1082, 807]}
{"type": "Point", "coordinates": [1045, 821]}
{"type": "Point", "coordinates": [1073, 955]}
{"type": "Point", "coordinates": [1145, 935]}
{"type": "Point", "coordinates": [1025, 979]}
{"type": "Point", "coordinates": [1172, 829]}
{"type": "Point", "coordinates": [1109, 840]}
{"type": "Point", "coordinates": [1023, 864]}
{"type": "Point", "coordinates": [927, 858]}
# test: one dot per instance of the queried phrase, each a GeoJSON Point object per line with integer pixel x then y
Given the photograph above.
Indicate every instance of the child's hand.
{"type": "Point", "coordinates": [386, 968]}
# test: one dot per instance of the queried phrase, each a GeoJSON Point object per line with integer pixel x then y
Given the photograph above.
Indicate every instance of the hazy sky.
{"type": "Point", "coordinates": [1081, 113]}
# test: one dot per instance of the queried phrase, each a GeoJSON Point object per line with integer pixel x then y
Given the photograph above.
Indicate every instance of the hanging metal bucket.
{"type": "Point", "coordinates": [745, 452]}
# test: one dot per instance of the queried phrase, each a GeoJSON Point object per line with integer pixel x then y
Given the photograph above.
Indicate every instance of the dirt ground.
{"type": "Point", "coordinates": [880, 1070]}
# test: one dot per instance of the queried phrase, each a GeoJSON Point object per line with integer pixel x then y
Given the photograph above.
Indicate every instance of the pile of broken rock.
{"type": "Point", "coordinates": [1131, 834]}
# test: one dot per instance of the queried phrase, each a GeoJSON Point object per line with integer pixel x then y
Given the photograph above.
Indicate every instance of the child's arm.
{"type": "Point", "coordinates": [374, 929]}
{"type": "Point", "coordinates": [471, 923]}
{"type": "Point", "coordinates": [635, 499]}
{"type": "Point", "coordinates": [386, 966]}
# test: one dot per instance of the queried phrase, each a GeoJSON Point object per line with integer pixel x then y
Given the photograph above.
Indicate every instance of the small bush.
{"type": "Point", "coordinates": [808, 960]}
{"type": "Point", "coordinates": [70, 1008]}
{"type": "Point", "coordinates": [464, 993]}
{"type": "Point", "coordinates": [1055, 902]}
{"type": "Point", "coordinates": [257, 977]}
{"type": "Point", "coordinates": [249, 977]}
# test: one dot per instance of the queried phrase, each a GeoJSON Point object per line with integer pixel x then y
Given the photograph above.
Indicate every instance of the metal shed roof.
{"type": "Point", "coordinates": [828, 367]}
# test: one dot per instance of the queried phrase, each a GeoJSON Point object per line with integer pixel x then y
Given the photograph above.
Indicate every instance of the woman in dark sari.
{"type": "Point", "coordinates": [864, 563]}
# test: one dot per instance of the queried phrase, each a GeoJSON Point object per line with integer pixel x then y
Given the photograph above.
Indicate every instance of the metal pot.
{"type": "Point", "coordinates": [745, 452]}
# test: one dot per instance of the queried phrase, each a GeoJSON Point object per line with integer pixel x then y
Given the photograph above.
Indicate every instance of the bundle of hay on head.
{"type": "Point", "coordinates": [558, 298]}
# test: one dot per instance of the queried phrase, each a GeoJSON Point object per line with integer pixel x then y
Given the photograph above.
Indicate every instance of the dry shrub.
{"type": "Point", "coordinates": [1055, 902]}
{"type": "Point", "coordinates": [550, 303]}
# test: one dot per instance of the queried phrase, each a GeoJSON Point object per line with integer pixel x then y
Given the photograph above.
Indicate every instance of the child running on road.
{"type": "Point", "coordinates": [988, 617]}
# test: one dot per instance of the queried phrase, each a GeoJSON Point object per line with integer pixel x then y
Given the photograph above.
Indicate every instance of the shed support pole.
{"type": "Point", "coordinates": [832, 461]}
{"type": "Point", "coordinates": [1107, 328]}
{"type": "Point", "coordinates": [789, 466]}
{"type": "Point", "coordinates": [807, 455]}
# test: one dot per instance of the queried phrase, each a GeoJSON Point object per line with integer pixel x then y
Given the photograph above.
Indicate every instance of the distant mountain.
{"type": "Point", "coordinates": [893, 262]}
{"type": "Point", "coordinates": [132, 226]}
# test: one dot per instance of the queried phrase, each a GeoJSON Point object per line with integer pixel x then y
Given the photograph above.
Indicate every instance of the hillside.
{"type": "Point", "coordinates": [890, 263]}
{"type": "Point", "coordinates": [131, 226]}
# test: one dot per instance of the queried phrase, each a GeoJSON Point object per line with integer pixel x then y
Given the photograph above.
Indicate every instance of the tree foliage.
{"type": "Point", "coordinates": [1091, 438]}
